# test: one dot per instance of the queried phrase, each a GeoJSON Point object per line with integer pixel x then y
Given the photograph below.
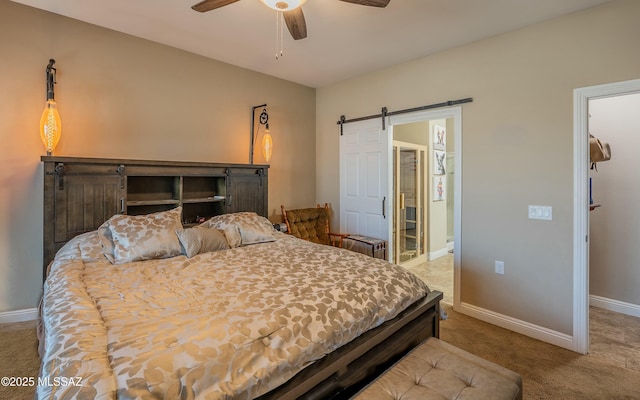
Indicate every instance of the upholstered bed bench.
{"type": "Point", "coordinates": [438, 370]}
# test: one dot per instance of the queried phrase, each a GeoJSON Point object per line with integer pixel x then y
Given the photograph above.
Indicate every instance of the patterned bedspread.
{"type": "Point", "coordinates": [229, 324]}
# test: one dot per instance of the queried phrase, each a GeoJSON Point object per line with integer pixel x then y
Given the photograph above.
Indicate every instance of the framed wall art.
{"type": "Point", "coordinates": [439, 188]}
{"type": "Point", "coordinates": [439, 137]}
{"type": "Point", "coordinates": [439, 162]}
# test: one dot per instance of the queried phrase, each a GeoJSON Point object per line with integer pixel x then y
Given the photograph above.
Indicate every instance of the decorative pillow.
{"type": "Point", "coordinates": [106, 240]}
{"type": "Point", "coordinates": [252, 227]}
{"type": "Point", "coordinates": [232, 234]}
{"type": "Point", "coordinates": [127, 238]}
{"type": "Point", "coordinates": [199, 239]}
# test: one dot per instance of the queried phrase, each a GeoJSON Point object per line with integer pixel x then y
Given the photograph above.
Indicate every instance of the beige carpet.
{"type": "Point", "coordinates": [548, 372]}
{"type": "Point", "coordinates": [611, 371]}
{"type": "Point", "coordinates": [18, 358]}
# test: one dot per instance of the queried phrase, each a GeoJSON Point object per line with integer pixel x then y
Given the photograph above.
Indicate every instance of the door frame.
{"type": "Point", "coordinates": [581, 97]}
{"type": "Point", "coordinates": [442, 113]}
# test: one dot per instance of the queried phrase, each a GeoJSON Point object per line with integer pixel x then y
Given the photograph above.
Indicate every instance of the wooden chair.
{"type": "Point", "coordinates": [312, 224]}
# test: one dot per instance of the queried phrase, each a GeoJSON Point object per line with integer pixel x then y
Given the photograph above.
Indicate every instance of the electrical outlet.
{"type": "Point", "coordinates": [500, 267]}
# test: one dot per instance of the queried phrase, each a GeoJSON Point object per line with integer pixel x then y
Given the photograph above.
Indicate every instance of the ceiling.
{"type": "Point", "coordinates": [344, 40]}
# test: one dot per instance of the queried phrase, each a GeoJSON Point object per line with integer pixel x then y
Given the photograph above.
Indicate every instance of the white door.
{"type": "Point", "coordinates": [364, 179]}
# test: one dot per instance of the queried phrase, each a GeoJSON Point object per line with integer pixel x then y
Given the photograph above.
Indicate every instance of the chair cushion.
{"type": "Point", "coordinates": [309, 224]}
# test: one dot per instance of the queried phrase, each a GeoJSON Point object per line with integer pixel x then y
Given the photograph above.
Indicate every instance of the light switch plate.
{"type": "Point", "coordinates": [500, 267]}
{"type": "Point", "coordinates": [541, 212]}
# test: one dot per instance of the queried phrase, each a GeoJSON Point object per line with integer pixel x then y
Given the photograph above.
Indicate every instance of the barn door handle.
{"type": "Point", "coordinates": [384, 200]}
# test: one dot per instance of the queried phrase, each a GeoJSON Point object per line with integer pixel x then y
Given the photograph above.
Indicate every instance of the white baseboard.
{"type": "Point", "coordinates": [525, 328]}
{"type": "Point", "coordinates": [615, 305]}
{"type": "Point", "coordinates": [438, 253]}
{"type": "Point", "coordinates": [450, 245]}
{"type": "Point", "coordinates": [29, 314]}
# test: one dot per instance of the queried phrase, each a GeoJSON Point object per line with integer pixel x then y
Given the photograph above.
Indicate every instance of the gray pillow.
{"type": "Point", "coordinates": [199, 239]}
{"type": "Point", "coordinates": [128, 238]}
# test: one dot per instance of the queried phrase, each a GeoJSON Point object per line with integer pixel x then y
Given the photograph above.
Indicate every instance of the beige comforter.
{"type": "Point", "coordinates": [230, 324]}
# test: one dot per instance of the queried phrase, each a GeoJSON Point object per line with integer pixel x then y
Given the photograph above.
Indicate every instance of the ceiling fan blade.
{"type": "Point", "coordinates": [208, 5]}
{"type": "Point", "coordinates": [296, 23]}
{"type": "Point", "coordinates": [372, 3]}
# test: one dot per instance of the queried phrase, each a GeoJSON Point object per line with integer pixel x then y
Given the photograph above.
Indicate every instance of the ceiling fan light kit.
{"type": "Point", "coordinates": [280, 5]}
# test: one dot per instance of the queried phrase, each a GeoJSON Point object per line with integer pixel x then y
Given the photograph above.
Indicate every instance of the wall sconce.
{"type": "Point", "coordinates": [267, 141]}
{"type": "Point", "coordinates": [50, 124]}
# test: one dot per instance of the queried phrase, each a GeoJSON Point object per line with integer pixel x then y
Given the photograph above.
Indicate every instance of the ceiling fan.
{"type": "Point", "coordinates": [291, 11]}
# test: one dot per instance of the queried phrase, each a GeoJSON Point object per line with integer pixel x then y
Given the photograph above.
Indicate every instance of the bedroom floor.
{"type": "Point", "coordinates": [614, 337]}
{"type": "Point", "coordinates": [438, 274]}
{"type": "Point", "coordinates": [18, 358]}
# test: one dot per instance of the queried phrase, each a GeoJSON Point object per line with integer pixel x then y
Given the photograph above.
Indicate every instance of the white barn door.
{"type": "Point", "coordinates": [364, 179]}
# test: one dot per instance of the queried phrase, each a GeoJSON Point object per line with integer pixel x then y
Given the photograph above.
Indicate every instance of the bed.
{"type": "Point", "coordinates": [143, 308]}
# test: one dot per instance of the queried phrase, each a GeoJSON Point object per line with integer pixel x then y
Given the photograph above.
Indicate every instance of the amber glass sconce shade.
{"type": "Point", "coordinates": [267, 144]}
{"type": "Point", "coordinates": [50, 123]}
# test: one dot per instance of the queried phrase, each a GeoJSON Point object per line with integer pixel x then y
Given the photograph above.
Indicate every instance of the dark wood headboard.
{"type": "Point", "coordinates": [81, 193]}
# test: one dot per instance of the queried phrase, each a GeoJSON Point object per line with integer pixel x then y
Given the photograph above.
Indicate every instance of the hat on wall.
{"type": "Point", "coordinates": [598, 151]}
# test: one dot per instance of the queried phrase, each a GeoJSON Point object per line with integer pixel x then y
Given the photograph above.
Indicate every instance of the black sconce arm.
{"type": "Point", "coordinates": [51, 79]}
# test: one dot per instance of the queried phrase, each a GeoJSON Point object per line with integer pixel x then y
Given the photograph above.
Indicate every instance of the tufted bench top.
{"type": "Point", "coordinates": [438, 370]}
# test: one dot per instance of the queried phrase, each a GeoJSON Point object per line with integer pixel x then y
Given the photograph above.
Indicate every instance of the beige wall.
{"type": "Point", "coordinates": [517, 146]}
{"type": "Point", "coordinates": [413, 132]}
{"type": "Point", "coordinates": [615, 227]}
{"type": "Point", "coordinates": [123, 97]}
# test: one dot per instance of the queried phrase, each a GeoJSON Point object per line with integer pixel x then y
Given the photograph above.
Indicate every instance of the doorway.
{"type": "Point", "coordinates": [442, 185]}
{"type": "Point", "coordinates": [614, 229]}
{"type": "Point", "coordinates": [581, 244]}
{"type": "Point", "coordinates": [366, 179]}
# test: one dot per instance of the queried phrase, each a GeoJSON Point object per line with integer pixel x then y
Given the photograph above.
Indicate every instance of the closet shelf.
{"type": "Point", "coordinates": [210, 199]}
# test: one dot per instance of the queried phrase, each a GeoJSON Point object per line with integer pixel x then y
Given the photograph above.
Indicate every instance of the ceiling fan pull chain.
{"type": "Point", "coordinates": [279, 35]}
{"type": "Point", "coordinates": [281, 18]}
{"type": "Point", "coordinates": [277, 32]}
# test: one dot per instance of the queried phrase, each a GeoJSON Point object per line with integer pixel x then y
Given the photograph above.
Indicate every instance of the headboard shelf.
{"type": "Point", "coordinates": [81, 193]}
